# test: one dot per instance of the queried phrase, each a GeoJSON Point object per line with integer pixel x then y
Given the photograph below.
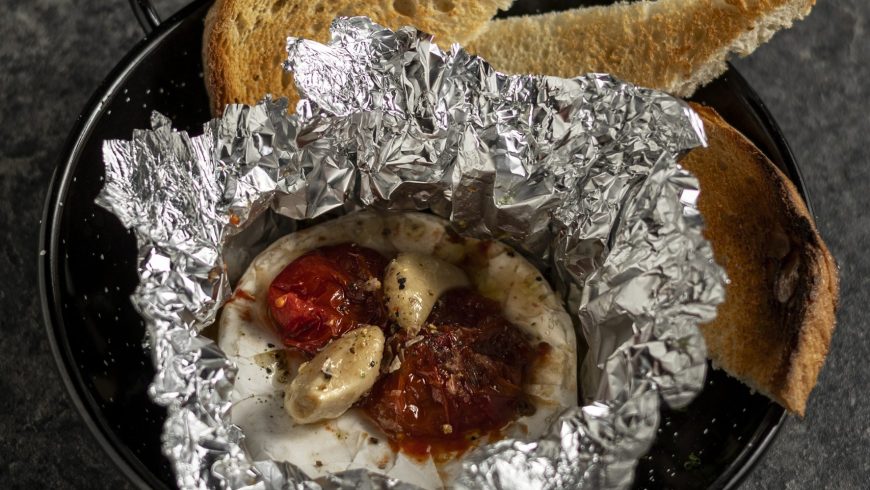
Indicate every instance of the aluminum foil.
{"type": "Point", "coordinates": [579, 174]}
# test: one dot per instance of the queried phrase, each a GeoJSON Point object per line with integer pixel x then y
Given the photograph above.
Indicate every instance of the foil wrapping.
{"type": "Point", "coordinates": [580, 174]}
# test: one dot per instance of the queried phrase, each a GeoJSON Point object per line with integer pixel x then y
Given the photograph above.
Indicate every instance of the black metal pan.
{"type": "Point", "coordinates": [87, 271]}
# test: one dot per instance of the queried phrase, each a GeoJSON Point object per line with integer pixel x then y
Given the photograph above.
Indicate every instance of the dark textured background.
{"type": "Point", "coordinates": [814, 79]}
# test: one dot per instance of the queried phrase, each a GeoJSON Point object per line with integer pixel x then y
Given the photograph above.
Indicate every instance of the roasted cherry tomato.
{"type": "Point", "coordinates": [327, 292]}
{"type": "Point", "coordinates": [461, 377]}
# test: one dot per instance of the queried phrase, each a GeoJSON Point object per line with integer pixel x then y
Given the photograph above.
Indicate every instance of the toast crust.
{"type": "Point", "coordinates": [774, 329]}
{"type": "Point", "coordinates": [244, 40]}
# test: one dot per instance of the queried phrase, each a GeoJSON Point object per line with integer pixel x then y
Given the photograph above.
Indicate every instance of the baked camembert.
{"type": "Point", "coordinates": [391, 343]}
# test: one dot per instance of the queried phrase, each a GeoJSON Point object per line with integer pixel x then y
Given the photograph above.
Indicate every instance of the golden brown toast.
{"type": "Point", "coordinates": [670, 45]}
{"type": "Point", "coordinates": [774, 328]}
{"type": "Point", "coordinates": [244, 40]}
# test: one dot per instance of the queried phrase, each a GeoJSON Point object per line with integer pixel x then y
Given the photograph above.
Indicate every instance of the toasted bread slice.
{"type": "Point", "coordinates": [775, 326]}
{"type": "Point", "coordinates": [670, 45]}
{"type": "Point", "coordinates": [244, 40]}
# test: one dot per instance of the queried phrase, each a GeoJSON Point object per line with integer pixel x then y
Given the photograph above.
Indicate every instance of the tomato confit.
{"type": "Point", "coordinates": [458, 379]}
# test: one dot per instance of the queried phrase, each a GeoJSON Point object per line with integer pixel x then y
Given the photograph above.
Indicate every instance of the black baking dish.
{"type": "Point", "coordinates": [87, 271]}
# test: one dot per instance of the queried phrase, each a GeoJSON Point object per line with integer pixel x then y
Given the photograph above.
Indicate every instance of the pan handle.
{"type": "Point", "coordinates": [145, 14]}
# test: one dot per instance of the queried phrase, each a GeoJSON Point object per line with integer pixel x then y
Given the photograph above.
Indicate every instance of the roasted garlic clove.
{"type": "Point", "coordinates": [327, 385]}
{"type": "Point", "coordinates": [413, 283]}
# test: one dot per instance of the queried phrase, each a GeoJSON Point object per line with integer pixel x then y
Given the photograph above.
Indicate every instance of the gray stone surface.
{"type": "Point", "coordinates": [814, 79]}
